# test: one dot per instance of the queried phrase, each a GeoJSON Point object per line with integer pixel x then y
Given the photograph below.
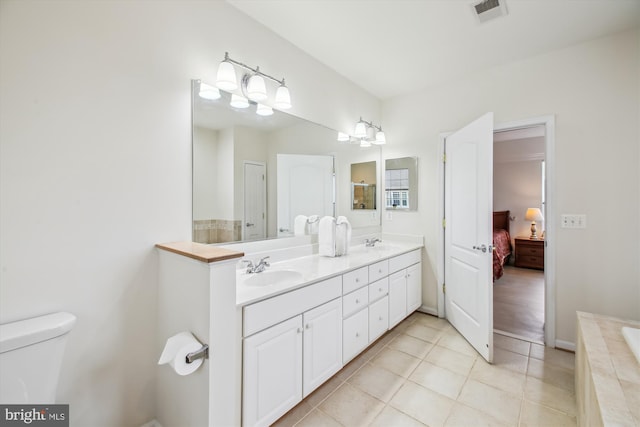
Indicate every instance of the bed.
{"type": "Point", "coordinates": [501, 242]}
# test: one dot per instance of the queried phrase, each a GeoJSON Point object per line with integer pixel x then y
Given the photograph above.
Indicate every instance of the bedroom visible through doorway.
{"type": "Point", "coordinates": [518, 201]}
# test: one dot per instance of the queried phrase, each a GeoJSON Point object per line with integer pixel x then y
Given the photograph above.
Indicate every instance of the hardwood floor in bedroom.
{"type": "Point", "coordinates": [518, 303]}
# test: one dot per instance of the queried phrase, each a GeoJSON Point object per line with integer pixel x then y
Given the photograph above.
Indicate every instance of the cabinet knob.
{"type": "Point", "coordinates": [379, 289]}
{"type": "Point", "coordinates": [379, 270]}
{"type": "Point", "coordinates": [357, 335]}
{"type": "Point", "coordinates": [307, 326]}
{"type": "Point", "coordinates": [357, 301]}
{"type": "Point", "coordinates": [357, 280]}
{"type": "Point", "coordinates": [299, 330]}
{"type": "Point", "coordinates": [380, 318]}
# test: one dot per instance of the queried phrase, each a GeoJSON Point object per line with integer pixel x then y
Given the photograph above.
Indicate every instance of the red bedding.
{"type": "Point", "coordinates": [501, 251]}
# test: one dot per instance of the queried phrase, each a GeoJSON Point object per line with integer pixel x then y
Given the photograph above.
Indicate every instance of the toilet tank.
{"type": "Point", "coordinates": [31, 353]}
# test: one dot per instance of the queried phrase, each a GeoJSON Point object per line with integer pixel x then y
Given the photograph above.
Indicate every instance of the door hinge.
{"type": "Point", "coordinates": [263, 177]}
{"type": "Point", "coordinates": [444, 288]}
{"type": "Point", "coordinates": [444, 223]}
{"type": "Point", "coordinates": [444, 158]}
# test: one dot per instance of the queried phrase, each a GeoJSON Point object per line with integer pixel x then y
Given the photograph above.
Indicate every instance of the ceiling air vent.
{"type": "Point", "coordinates": [489, 9]}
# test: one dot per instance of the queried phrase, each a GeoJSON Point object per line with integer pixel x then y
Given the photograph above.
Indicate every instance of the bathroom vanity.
{"type": "Point", "coordinates": [275, 336]}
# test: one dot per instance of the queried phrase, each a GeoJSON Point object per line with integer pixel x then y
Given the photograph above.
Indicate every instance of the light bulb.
{"type": "Point", "coordinates": [256, 88]}
{"type": "Point", "coordinates": [360, 131]}
{"type": "Point", "coordinates": [283, 98]}
{"type": "Point", "coordinates": [226, 78]}
{"type": "Point", "coordinates": [380, 138]}
{"type": "Point", "coordinates": [238, 101]}
{"type": "Point", "coordinates": [263, 110]}
{"type": "Point", "coordinates": [364, 143]}
{"type": "Point", "coordinates": [208, 92]}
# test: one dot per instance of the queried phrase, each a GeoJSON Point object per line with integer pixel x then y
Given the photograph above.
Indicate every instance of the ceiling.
{"type": "Point", "coordinates": [392, 47]}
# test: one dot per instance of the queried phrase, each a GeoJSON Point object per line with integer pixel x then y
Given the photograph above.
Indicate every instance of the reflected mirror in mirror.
{"type": "Point", "coordinates": [401, 184]}
{"type": "Point", "coordinates": [363, 185]}
{"type": "Point", "coordinates": [253, 174]}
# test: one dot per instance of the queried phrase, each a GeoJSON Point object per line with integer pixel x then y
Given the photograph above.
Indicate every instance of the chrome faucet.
{"type": "Point", "coordinates": [371, 242]}
{"type": "Point", "coordinates": [259, 268]}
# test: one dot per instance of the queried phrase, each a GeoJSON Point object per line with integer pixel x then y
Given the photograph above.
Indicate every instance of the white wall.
{"type": "Point", "coordinates": [95, 168]}
{"type": "Point", "coordinates": [592, 88]}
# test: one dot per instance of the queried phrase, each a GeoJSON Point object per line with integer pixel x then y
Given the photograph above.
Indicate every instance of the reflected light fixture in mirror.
{"type": "Point", "coordinates": [252, 84]}
{"type": "Point", "coordinates": [264, 110]}
{"type": "Point", "coordinates": [208, 92]}
{"type": "Point", "coordinates": [238, 101]}
{"type": "Point", "coordinates": [365, 133]}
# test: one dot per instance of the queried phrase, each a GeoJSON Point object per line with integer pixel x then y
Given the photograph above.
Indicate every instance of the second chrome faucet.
{"type": "Point", "coordinates": [257, 268]}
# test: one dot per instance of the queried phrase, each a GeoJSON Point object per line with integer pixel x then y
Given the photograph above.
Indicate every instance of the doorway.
{"type": "Point", "coordinates": [548, 122]}
{"type": "Point", "coordinates": [519, 204]}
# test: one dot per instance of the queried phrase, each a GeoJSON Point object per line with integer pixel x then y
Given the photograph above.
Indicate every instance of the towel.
{"type": "Point", "coordinates": [327, 236]}
{"type": "Point", "coordinates": [343, 236]}
{"type": "Point", "coordinates": [300, 225]}
{"type": "Point", "coordinates": [313, 224]}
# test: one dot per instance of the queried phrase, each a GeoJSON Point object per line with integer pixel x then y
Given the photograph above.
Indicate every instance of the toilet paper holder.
{"type": "Point", "coordinates": [203, 353]}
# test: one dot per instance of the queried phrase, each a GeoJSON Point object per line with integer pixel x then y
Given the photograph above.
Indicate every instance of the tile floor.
{"type": "Point", "coordinates": [424, 373]}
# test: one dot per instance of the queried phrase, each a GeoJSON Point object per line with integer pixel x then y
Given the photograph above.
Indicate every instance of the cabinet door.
{"type": "Point", "coordinates": [272, 380]}
{"type": "Point", "coordinates": [322, 354]}
{"type": "Point", "coordinates": [414, 288]}
{"type": "Point", "coordinates": [355, 337]}
{"type": "Point", "coordinates": [378, 318]}
{"type": "Point", "coordinates": [397, 297]}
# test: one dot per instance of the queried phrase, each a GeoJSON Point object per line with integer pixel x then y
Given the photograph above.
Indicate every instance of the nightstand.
{"type": "Point", "coordinates": [529, 253]}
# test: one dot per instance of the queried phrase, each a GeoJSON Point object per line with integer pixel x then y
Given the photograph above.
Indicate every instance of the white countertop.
{"type": "Point", "coordinates": [314, 268]}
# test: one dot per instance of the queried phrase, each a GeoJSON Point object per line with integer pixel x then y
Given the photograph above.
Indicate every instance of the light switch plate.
{"type": "Point", "coordinates": [573, 221]}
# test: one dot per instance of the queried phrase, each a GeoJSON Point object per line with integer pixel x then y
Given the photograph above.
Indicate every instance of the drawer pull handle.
{"type": "Point", "coordinates": [357, 280]}
{"type": "Point", "coordinates": [357, 301]}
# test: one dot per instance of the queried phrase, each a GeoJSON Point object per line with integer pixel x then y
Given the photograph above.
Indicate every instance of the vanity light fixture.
{"type": "Point", "coordinates": [365, 133]}
{"type": "Point", "coordinates": [252, 84]}
{"type": "Point", "coordinates": [238, 101]}
{"type": "Point", "coordinates": [264, 110]}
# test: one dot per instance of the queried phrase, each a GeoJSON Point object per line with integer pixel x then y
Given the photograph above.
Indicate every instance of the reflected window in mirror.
{"type": "Point", "coordinates": [401, 184]}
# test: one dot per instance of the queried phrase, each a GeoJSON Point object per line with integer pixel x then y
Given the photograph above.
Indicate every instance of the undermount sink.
{"type": "Point", "coordinates": [632, 336]}
{"type": "Point", "coordinates": [273, 277]}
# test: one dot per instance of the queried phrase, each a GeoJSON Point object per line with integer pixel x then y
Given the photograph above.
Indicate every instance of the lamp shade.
{"type": "Point", "coordinates": [364, 143]}
{"type": "Point", "coordinates": [256, 88]}
{"type": "Point", "coordinates": [360, 131]}
{"type": "Point", "coordinates": [283, 98]}
{"type": "Point", "coordinates": [343, 137]}
{"type": "Point", "coordinates": [264, 110]}
{"type": "Point", "coordinates": [226, 77]}
{"type": "Point", "coordinates": [208, 92]}
{"type": "Point", "coordinates": [533, 214]}
{"type": "Point", "coordinates": [238, 101]}
{"type": "Point", "coordinates": [380, 138]}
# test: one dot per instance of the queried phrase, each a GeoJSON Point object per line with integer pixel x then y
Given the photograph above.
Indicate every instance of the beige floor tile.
{"type": "Point", "coordinates": [294, 415]}
{"type": "Point", "coordinates": [391, 417]}
{"type": "Point", "coordinates": [377, 382]}
{"type": "Point", "coordinates": [504, 379]}
{"type": "Point", "coordinates": [424, 405]}
{"type": "Point", "coordinates": [322, 392]}
{"type": "Point", "coordinates": [551, 374]}
{"type": "Point", "coordinates": [451, 360]}
{"type": "Point", "coordinates": [536, 415]}
{"type": "Point", "coordinates": [503, 406]}
{"type": "Point", "coordinates": [454, 341]}
{"type": "Point", "coordinates": [351, 407]}
{"type": "Point", "coordinates": [432, 321]}
{"type": "Point", "coordinates": [632, 394]}
{"type": "Point", "coordinates": [318, 418]}
{"type": "Point", "coordinates": [549, 395]}
{"type": "Point", "coordinates": [563, 359]}
{"type": "Point", "coordinates": [410, 345]}
{"type": "Point", "coordinates": [512, 344]}
{"type": "Point", "coordinates": [396, 361]}
{"type": "Point", "coordinates": [438, 379]}
{"type": "Point", "coordinates": [424, 333]}
{"type": "Point", "coordinates": [464, 416]}
{"type": "Point", "coordinates": [510, 360]}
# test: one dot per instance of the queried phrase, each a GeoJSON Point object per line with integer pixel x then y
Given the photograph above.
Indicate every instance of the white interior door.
{"type": "Point", "coordinates": [468, 233]}
{"type": "Point", "coordinates": [254, 224]}
{"type": "Point", "coordinates": [305, 187]}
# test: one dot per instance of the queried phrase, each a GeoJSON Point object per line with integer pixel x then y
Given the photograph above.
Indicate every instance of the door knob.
{"type": "Point", "coordinates": [249, 224]}
{"type": "Point", "coordinates": [482, 248]}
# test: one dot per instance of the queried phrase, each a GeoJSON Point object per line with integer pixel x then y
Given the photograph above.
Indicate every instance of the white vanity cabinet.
{"type": "Point", "coordinates": [405, 286]}
{"type": "Point", "coordinates": [290, 356]}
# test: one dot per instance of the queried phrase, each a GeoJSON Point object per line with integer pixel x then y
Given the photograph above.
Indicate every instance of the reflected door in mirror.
{"type": "Point", "coordinates": [254, 225]}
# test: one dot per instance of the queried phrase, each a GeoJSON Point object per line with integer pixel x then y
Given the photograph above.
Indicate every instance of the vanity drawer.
{"type": "Point", "coordinates": [355, 335]}
{"type": "Point", "coordinates": [378, 318]}
{"type": "Point", "coordinates": [355, 301]}
{"type": "Point", "coordinates": [403, 261]}
{"type": "Point", "coordinates": [355, 279]}
{"type": "Point", "coordinates": [274, 310]}
{"type": "Point", "coordinates": [378, 289]}
{"type": "Point", "coordinates": [378, 270]}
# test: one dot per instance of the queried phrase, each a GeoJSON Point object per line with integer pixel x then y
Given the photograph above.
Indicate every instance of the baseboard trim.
{"type": "Point", "coordinates": [516, 336]}
{"type": "Point", "coordinates": [429, 310]}
{"type": "Point", "coordinates": [566, 345]}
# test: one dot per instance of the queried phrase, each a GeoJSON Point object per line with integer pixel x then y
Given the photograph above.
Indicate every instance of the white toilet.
{"type": "Point", "coordinates": [31, 353]}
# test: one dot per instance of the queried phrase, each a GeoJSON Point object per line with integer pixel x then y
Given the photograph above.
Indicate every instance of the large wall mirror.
{"type": "Point", "coordinates": [253, 174]}
{"type": "Point", "coordinates": [401, 183]}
